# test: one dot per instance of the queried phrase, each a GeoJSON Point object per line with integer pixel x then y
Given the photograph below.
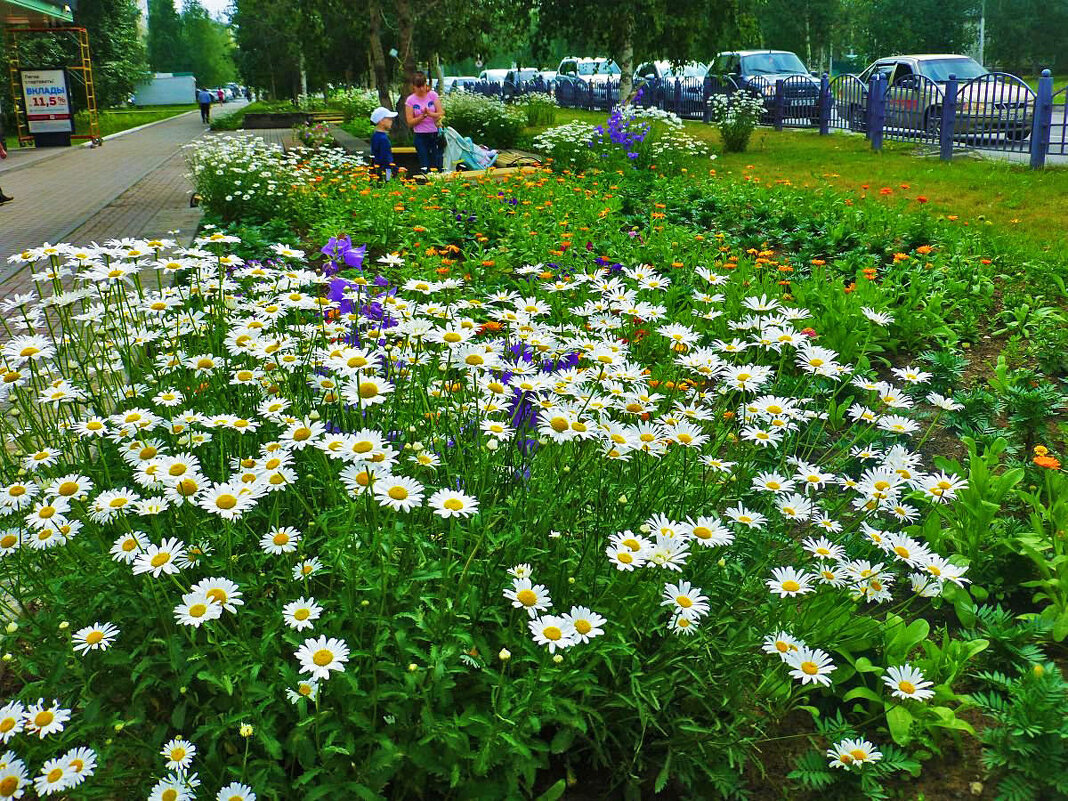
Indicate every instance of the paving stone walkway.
{"type": "Point", "coordinates": [135, 185]}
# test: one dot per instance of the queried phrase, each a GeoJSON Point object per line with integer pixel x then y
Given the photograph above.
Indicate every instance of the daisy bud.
{"type": "Point", "coordinates": [8, 657]}
{"type": "Point", "coordinates": [407, 446]}
{"type": "Point", "coordinates": [119, 726]}
{"type": "Point", "coordinates": [622, 500]}
{"type": "Point", "coordinates": [558, 658]}
{"type": "Point", "coordinates": [722, 562]}
{"type": "Point", "coordinates": [12, 627]}
{"type": "Point", "coordinates": [16, 412]}
{"type": "Point", "coordinates": [1039, 671]}
{"type": "Point", "coordinates": [412, 429]}
{"type": "Point", "coordinates": [412, 667]}
{"type": "Point", "coordinates": [183, 690]}
{"type": "Point", "coordinates": [365, 603]}
{"type": "Point", "coordinates": [570, 579]}
{"type": "Point", "coordinates": [504, 655]}
{"type": "Point", "coordinates": [492, 445]}
{"type": "Point", "coordinates": [644, 527]}
{"type": "Point", "coordinates": [567, 468]}
{"type": "Point", "coordinates": [246, 730]}
{"type": "Point", "coordinates": [313, 415]}
{"type": "Point", "coordinates": [64, 625]}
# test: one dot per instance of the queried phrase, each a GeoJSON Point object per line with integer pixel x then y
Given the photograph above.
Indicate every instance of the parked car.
{"type": "Point", "coordinates": [492, 76]}
{"type": "Point", "coordinates": [757, 71]}
{"type": "Point", "coordinates": [515, 77]}
{"type": "Point", "coordinates": [458, 83]}
{"type": "Point", "coordinates": [660, 76]}
{"type": "Point", "coordinates": [581, 73]}
{"type": "Point", "coordinates": [588, 70]}
{"type": "Point", "coordinates": [915, 93]}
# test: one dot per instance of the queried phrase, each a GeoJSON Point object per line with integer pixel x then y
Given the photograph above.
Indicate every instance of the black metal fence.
{"type": "Point", "coordinates": [996, 111]}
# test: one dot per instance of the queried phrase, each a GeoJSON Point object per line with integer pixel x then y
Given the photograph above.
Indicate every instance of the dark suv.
{"type": "Point", "coordinates": [757, 71]}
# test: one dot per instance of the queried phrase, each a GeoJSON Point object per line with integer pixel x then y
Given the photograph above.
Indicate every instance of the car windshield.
{"type": "Point", "coordinates": [773, 64]}
{"type": "Point", "coordinates": [939, 69]}
{"type": "Point", "coordinates": [693, 69]}
{"type": "Point", "coordinates": [598, 68]}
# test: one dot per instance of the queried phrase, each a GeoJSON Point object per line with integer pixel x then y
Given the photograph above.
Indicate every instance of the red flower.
{"type": "Point", "coordinates": [921, 198]}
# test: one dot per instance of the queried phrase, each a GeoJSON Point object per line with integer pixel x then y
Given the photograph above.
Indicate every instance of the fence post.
{"type": "Point", "coordinates": [706, 95]}
{"type": "Point", "coordinates": [1042, 121]}
{"type": "Point", "coordinates": [949, 119]}
{"type": "Point", "coordinates": [678, 97]}
{"type": "Point", "coordinates": [876, 111]}
{"type": "Point", "coordinates": [825, 104]}
{"type": "Point", "coordinates": [779, 113]}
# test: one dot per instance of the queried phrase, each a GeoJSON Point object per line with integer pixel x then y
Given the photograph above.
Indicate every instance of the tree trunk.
{"type": "Point", "coordinates": [439, 73]}
{"type": "Point", "coordinates": [406, 32]}
{"type": "Point", "coordinates": [626, 61]}
{"type": "Point", "coordinates": [379, 76]}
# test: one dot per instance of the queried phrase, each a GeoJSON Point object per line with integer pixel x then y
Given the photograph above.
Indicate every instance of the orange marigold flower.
{"type": "Point", "coordinates": [886, 190]}
{"type": "Point", "coordinates": [901, 257]}
{"type": "Point", "coordinates": [817, 262]}
{"type": "Point", "coordinates": [1047, 462]}
{"type": "Point", "coordinates": [488, 263]}
{"type": "Point", "coordinates": [985, 261]}
{"type": "Point", "coordinates": [952, 217]}
{"type": "Point", "coordinates": [921, 198]}
{"type": "Point", "coordinates": [923, 250]}
{"type": "Point", "coordinates": [1041, 450]}
{"type": "Point", "coordinates": [728, 415]}
{"type": "Point", "coordinates": [442, 271]}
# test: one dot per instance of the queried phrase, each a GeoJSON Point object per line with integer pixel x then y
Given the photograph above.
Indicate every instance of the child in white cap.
{"type": "Point", "coordinates": [381, 147]}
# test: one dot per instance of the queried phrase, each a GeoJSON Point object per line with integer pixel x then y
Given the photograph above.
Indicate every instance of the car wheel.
{"type": "Point", "coordinates": [932, 122]}
{"type": "Point", "coordinates": [1019, 134]}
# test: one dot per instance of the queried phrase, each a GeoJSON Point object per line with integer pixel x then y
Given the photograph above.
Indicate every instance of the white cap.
{"type": "Point", "coordinates": [380, 114]}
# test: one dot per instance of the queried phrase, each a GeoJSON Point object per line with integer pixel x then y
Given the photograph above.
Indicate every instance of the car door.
{"type": "Point", "coordinates": [901, 94]}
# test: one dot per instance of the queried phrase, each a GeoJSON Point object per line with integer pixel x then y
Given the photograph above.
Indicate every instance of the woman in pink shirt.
{"type": "Point", "coordinates": [423, 110]}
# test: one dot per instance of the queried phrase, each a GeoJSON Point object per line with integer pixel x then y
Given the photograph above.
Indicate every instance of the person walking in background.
{"type": "Point", "coordinates": [204, 98]}
{"type": "Point", "coordinates": [424, 111]}
{"type": "Point", "coordinates": [3, 155]}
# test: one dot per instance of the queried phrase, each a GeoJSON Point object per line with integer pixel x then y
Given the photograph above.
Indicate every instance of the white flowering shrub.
{"type": "Point", "coordinates": [356, 104]}
{"type": "Point", "coordinates": [488, 121]}
{"type": "Point", "coordinates": [568, 145]}
{"type": "Point", "coordinates": [735, 115]}
{"type": "Point", "coordinates": [246, 176]}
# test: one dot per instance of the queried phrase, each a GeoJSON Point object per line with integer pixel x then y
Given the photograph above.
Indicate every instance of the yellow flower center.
{"type": "Point", "coordinates": [93, 637]}
{"type": "Point", "coordinates": [281, 538]}
{"type": "Point", "coordinates": [453, 504]}
{"type": "Point", "coordinates": [368, 389]}
{"type": "Point", "coordinates": [552, 633]}
{"type": "Point", "coordinates": [302, 614]}
{"type": "Point", "coordinates": [6, 725]}
{"type": "Point", "coordinates": [810, 668]}
{"type": "Point", "coordinates": [55, 775]}
{"type": "Point", "coordinates": [160, 559]}
{"type": "Point", "coordinates": [301, 434]}
{"type": "Point", "coordinates": [46, 512]}
{"type": "Point", "coordinates": [198, 610]}
{"type": "Point", "coordinates": [906, 687]}
{"type": "Point", "coordinates": [684, 601]}
{"type": "Point", "coordinates": [527, 597]}
{"type": "Point", "coordinates": [624, 557]}
{"type": "Point", "coordinates": [583, 626]}
{"type": "Point", "coordinates": [177, 754]}
{"type": "Point", "coordinates": [218, 595]}
{"type": "Point", "coordinates": [398, 493]}
{"type": "Point", "coordinates": [8, 541]}
{"type": "Point", "coordinates": [43, 718]}
{"type": "Point", "coordinates": [791, 586]}
{"type": "Point", "coordinates": [226, 501]}
{"type": "Point", "coordinates": [187, 487]}
{"type": "Point", "coordinates": [323, 657]}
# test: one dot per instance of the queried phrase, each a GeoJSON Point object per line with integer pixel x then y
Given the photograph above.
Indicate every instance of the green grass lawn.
{"type": "Point", "coordinates": [1024, 204]}
{"type": "Point", "coordinates": [116, 120]}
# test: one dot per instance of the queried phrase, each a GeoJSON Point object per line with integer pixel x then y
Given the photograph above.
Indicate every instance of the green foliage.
{"type": "Point", "coordinates": [164, 42]}
{"type": "Point", "coordinates": [207, 46]}
{"type": "Point", "coordinates": [487, 121]}
{"type": "Point", "coordinates": [119, 58]}
{"type": "Point", "coordinates": [1025, 744]}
